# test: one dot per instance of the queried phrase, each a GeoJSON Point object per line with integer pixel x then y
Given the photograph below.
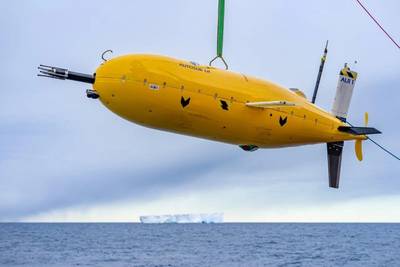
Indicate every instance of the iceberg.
{"type": "Point", "coordinates": [184, 218]}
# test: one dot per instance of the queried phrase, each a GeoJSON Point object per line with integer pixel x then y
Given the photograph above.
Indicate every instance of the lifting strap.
{"type": "Point", "coordinates": [220, 32]}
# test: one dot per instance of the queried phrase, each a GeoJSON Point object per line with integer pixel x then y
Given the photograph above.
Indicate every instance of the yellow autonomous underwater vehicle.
{"type": "Point", "coordinates": [187, 98]}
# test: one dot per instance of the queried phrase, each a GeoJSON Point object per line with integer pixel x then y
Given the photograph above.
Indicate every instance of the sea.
{"type": "Point", "coordinates": [225, 244]}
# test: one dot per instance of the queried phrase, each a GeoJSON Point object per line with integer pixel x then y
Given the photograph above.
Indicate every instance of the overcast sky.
{"type": "Point", "coordinates": [64, 157]}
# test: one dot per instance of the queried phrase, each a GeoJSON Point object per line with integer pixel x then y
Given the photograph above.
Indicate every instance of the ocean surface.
{"type": "Point", "coordinates": [231, 244]}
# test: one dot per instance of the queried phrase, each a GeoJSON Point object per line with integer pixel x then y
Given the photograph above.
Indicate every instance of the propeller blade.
{"type": "Point", "coordinates": [358, 148]}
{"type": "Point", "coordinates": [366, 118]}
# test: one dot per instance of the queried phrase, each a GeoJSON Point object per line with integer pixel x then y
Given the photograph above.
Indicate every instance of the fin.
{"type": "Point", "coordinates": [358, 130]}
{"type": "Point", "coordinates": [366, 119]}
{"type": "Point", "coordinates": [335, 150]}
{"type": "Point", "coordinates": [298, 92]}
{"type": "Point", "coordinates": [358, 148]}
{"type": "Point", "coordinates": [270, 104]}
{"type": "Point", "coordinates": [344, 92]}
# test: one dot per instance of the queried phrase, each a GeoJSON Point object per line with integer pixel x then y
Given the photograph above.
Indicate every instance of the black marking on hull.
{"type": "Point", "coordinates": [224, 105]}
{"type": "Point", "coordinates": [185, 102]}
{"type": "Point", "coordinates": [282, 121]}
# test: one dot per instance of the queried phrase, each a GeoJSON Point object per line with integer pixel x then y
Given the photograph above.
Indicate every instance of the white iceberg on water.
{"type": "Point", "coordinates": [184, 218]}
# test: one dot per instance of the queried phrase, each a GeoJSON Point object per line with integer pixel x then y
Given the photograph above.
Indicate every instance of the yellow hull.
{"type": "Point", "coordinates": [182, 97]}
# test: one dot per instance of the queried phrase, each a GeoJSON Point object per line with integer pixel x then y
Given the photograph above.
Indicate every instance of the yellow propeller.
{"type": "Point", "coordinates": [358, 148]}
{"type": "Point", "coordinates": [358, 144]}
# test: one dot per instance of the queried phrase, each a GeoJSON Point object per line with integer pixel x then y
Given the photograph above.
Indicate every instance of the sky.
{"type": "Point", "coordinates": [64, 157]}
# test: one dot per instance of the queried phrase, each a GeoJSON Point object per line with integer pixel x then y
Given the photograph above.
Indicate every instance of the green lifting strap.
{"type": "Point", "coordinates": [221, 16]}
{"type": "Point", "coordinates": [220, 34]}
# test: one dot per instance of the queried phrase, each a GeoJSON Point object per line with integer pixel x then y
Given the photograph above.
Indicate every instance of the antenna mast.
{"type": "Point", "coordinates": [321, 68]}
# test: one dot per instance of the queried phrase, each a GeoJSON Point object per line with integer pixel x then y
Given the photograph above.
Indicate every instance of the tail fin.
{"type": "Point", "coordinates": [335, 150]}
{"type": "Point", "coordinates": [341, 104]}
{"type": "Point", "coordinates": [358, 130]}
{"type": "Point", "coordinates": [344, 92]}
